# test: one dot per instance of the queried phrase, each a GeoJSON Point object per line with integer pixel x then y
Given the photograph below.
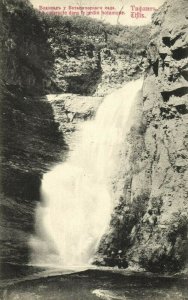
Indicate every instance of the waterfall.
{"type": "Point", "coordinates": [76, 198]}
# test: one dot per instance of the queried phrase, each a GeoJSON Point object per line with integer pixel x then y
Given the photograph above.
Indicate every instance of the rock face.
{"type": "Point", "coordinates": [69, 55]}
{"type": "Point", "coordinates": [116, 69]}
{"type": "Point", "coordinates": [93, 58]}
{"type": "Point", "coordinates": [30, 142]}
{"type": "Point", "coordinates": [98, 74]}
{"type": "Point", "coordinates": [70, 111]}
{"type": "Point", "coordinates": [149, 225]}
{"type": "Point", "coordinates": [26, 58]}
{"type": "Point", "coordinates": [79, 75]}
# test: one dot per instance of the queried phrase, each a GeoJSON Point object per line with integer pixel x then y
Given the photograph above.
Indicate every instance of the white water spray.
{"type": "Point", "coordinates": [76, 195]}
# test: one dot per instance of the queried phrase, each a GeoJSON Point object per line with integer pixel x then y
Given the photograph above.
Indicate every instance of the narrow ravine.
{"type": "Point", "coordinates": [76, 198]}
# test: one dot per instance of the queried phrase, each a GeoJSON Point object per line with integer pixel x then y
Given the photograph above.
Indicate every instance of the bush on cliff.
{"type": "Point", "coordinates": [26, 59]}
{"type": "Point", "coordinates": [171, 256]}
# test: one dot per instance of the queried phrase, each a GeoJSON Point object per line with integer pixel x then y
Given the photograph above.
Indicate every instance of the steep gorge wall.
{"type": "Point", "coordinates": [165, 103]}
{"type": "Point", "coordinates": [30, 144]}
{"type": "Point", "coordinates": [26, 58]}
{"type": "Point", "coordinates": [30, 141]}
{"type": "Point", "coordinates": [149, 225]}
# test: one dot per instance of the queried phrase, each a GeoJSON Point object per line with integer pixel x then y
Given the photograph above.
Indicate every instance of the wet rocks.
{"type": "Point", "coordinates": [71, 110]}
{"type": "Point", "coordinates": [79, 74]}
{"type": "Point", "coordinates": [117, 69]}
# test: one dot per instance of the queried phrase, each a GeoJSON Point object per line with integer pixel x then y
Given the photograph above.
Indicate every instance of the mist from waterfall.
{"type": "Point", "coordinates": [76, 198]}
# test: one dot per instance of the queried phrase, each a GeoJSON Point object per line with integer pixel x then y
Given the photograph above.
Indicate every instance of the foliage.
{"type": "Point", "coordinates": [32, 41]}
{"type": "Point", "coordinates": [178, 227]}
{"type": "Point", "coordinates": [172, 254]}
{"type": "Point", "coordinates": [130, 40]}
{"type": "Point", "coordinates": [26, 53]}
{"type": "Point", "coordinates": [122, 39]}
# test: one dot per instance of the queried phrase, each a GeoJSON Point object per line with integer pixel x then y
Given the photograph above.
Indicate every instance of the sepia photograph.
{"type": "Point", "coordinates": [94, 149]}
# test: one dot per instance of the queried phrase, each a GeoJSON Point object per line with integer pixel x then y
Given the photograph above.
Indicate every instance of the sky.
{"type": "Point", "coordinates": [131, 14]}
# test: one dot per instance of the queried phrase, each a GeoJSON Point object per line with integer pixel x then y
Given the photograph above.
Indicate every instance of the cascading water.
{"type": "Point", "coordinates": [76, 195]}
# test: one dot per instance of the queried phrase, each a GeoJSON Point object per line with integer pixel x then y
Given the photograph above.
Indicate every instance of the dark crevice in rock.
{"type": "Point", "coordinates": [163, 55]}
{"type": "Point", "coordinates": [180, 53]}
{"type": "Point", "coordinates": [177, 92]}
{"type": "Point", "coordinates": [182, 109]}
{"type": "Point", "coordinates": [154, 66]}
{"type": "Point", "coordinates": [166, 40]}
{"type": "Point", "coordinates": [166, 113]}
{"type": "Point", "coordinates": [166, 143]}
{"type": "Point", "coordinates": [184, 73]}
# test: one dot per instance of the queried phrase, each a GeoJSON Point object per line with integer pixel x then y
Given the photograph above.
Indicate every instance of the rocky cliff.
{"type": "Point", "coordinates": [66, 54]}
{"type": "Point", "coordinates": [149, 225]}
{"type": "Point", "coordinates": [30, 140]}
{"type": "Point", "coordinates": [26, 58]}
{"type": "Point", "coordinates": [30, 145]}
{"type": "Point", "coordinates": [91, 58]}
